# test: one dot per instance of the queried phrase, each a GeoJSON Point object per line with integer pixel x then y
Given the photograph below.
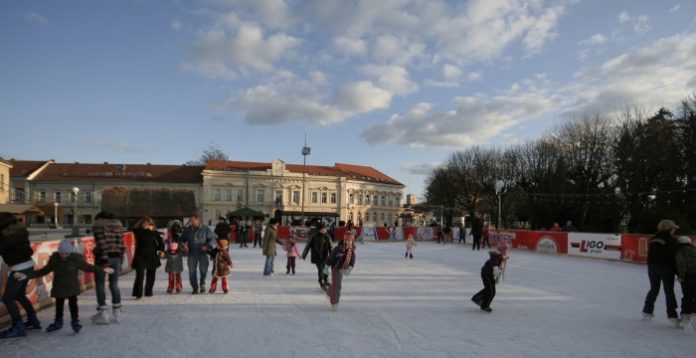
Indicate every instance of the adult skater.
{"type": "Point", "coordinates": [199, 240]}
{"type": "Point", "coordinates": [109, 251]}
{"type": "Point", "coordinates": [16, 251]}
{"type": "Point", "coordinates": [662, 269]}
{"type": "Point", "coordinates": [149, 247]}
{"type": "Point", "coordinates": [320, 247]}
{"type": "Point", "coordinates": [686, 274]}
{"type": "Point", "coordinates": [270, 240]}
{"type": "Point", "coordinates": [476, 232]}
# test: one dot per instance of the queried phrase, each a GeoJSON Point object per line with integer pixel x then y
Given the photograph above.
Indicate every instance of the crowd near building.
{"type": "Point", "coordinates": [47, 193]}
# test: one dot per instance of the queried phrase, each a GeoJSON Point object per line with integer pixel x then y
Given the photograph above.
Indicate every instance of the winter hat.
{"type": "Point", "coordinates": [683, 240]}
{"type": "Point", "coordinates": [667, 225]}
{"type": "Point", "coordinates": [65, 247]}
{"type": "Point", "coordinates": [173, 246]}
{"type": "Point", "coordinates": [349, 235]}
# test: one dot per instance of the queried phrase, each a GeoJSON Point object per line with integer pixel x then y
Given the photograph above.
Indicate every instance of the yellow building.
{"type": "Point", "coordinates": [5, 167]}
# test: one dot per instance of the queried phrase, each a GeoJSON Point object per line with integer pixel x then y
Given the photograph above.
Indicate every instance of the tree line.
{"type": "Point", "coordinates": [606, 174]}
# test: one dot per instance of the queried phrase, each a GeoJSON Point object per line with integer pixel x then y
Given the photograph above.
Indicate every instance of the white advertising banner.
{"type": "Point", "coordinates": [605, 246]}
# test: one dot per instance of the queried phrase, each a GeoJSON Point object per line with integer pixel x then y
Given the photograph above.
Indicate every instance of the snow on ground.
{"type": "Point", "coordinates": [548, 306]}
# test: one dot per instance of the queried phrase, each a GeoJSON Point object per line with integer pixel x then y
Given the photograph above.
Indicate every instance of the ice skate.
{"type": "Point", "coordinates": [334, 307]}
{"type": "Point", "coordinates": [17, 330]}
{"type": "Point", "coordinates": [32, 324]}
{"type": "Point", "coordinates": [477, 302]}
{"type": "Point", "coordinates": [676, 323]}
{"type": "Point", "coordinates": [685, 319]}
{"type": "Point", "coordinates": [116, 313]}
{"type": "Point", "coordinates": [58, 324]}
{"type": "Point", "coordinates": [202, 290]}
{"type": "Point", "coordinates": [486, 309]}
{"type": "Point", "coordinates": [647, 316]}
{"type": "Point", "coordinates": [102, 316]}
{"type": "Point", "coordinates": [76, 326]}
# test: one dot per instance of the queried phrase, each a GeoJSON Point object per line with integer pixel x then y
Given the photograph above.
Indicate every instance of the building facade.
{"type": "Point", "coordinates": [4, 181]}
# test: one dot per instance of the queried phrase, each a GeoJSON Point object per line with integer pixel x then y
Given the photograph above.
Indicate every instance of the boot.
{"type": "Point", "coordinates": [58, 324]}
{"type": "Point", "coordinates": [225, 287]}
{"type": "Point", "coordinates": [116, 312]}
{"type": "Point", "coordinates": [172, 282]}
{"type": "Point", "coordinates": [213, 286]}
{"type": "Point", "coordinates": [675, 323]}
{"type": "Point", "coordinates": [685, 319]}
{"type": "Point", "coordinates": [102, 316]}
{"type": "Point", "coordinates": [406, 254]}
{"type": "Point", "coordinates": [287, 270]}
{"type": "Point", "coordinates": [17, 330]}
{"type": "Point", "coordinates": [647, 316]}
{"type": "Point", "coordinates": [178, 282]}
{"type": "Point", "coordinates": [411, 255]}
{"type": "Point", "coordinates": [202, 290]}
{"type": "Point", "coordinates": [76, 326]}
{"type": "Point", "coordinates": [293, 270]}
{"type": "Point", "coordinates": [32, 323]}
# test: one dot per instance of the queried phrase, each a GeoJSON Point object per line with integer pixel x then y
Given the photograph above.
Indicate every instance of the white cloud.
{"type": "Point", "coordinates": [176, 24]}
{"type": "Point", "coordinates": [451, 72]}
{"type": "Point", "coordinates": [641, 23]}
{"type": "Point", "coordinates": [397, 50]}
{"type": "Point", "coordinates": [476, 119]}
{"type": "Point", "coordinates": [35, 18]}
{"type": "Point", "coordinates": [624, 17]}
{"type": "Point", "coordinates": [348, 46]}
{"type": "Point", "coordinates": [474, 76]}
{"type": "Point", "coordinates": [274, 14]}
{"type": "Point", "coordinates": [392, 78]}
{"type": "Point", "coordinates": [675, 8]}
{"type": "Point", "coordinates": [422, 168]}
{"type": "Point", "coordinates": [363, 96]}
{"type": "Point", "coordinates": [596, 39]}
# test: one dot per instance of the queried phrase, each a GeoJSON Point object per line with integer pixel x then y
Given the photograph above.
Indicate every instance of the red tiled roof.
{"type": "Point", "coordinates": [351, 171]}
{"type": "Point", "coordinates": [122, 172]}
{"type": "Point", "coordinates": [24, 168]}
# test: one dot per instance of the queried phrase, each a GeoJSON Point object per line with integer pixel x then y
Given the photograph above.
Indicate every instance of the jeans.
{"type": "Point", "coordinates": [16, 291]}
{"type": "Point", "coordinates": [665, 275]}
{"type": "Point", "coordinates": [99, 280]}
{"type": "Point", "coordinates": [199, 262]}
{"type": "Point", "coordinates": [268, 267]}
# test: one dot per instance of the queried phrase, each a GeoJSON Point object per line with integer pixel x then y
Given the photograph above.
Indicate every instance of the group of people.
{"type": "Point", "coordinates": [669, 257]}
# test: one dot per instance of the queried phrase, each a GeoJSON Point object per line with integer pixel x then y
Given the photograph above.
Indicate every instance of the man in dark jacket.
{"type": "Point", "coordinates": [16, 251]}
{"type": "Point", "coordinates": [476, 232]}
{"type": "Point", "coordinates": [222, 229]}
{"type": "Point", "coordinates": [109, 251]}
{"type": "Point", "coordinates": [662, 269]}
{"type": "Point", "coordinates": [320, 246]}
{"type": "Point", "coordinates": [199, 239]}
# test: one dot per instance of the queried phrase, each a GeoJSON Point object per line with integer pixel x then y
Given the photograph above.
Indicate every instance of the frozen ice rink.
{"type": "Point", "coordinates": [548, 306]}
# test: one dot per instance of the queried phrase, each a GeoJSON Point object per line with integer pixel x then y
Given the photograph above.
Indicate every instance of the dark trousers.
{"type": "Point", "coordinates": [140, 273]}
{"type": "Point", "coordinates": [257, 239]}
{"type": "Point", "coordinates": [323, 279]}
{"type": "Point", "coordinates": [665, 275]}
{"type": "Point", "coordinates": [16, 291]}
{"type": "Point", "coordinates": [477, 243]}
{"type": "Point", "coordinates": [291, 263]}
{"type": "Point", "coordinates": [485, 296]}
{"type": "Point", "coordinates": [486, 242]}
{"type": "Point", "coordinates": [335, 289]}
{"type": "Point", "coordinates": [688, 304]}
{"type": "Point", "coordinates": [60, 307]}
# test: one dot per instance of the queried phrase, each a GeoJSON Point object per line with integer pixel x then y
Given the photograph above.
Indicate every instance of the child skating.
{"type": "Point", "coordinates": [490, 274]}
{"type": "Point", "coordinates": [290, 247]}
{"type": "Point", "coordinates": [410, 243]}
{"type": "Point", "coordinates": [341, 261]}
{"type": "Point", "coordinates": [174, 265]}
{"type": "Point", "coordinates": [222, 265]}
{"type": "Point", "coordinates": [65, 265]}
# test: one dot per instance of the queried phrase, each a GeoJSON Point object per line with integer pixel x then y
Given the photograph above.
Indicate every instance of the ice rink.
{"type": "Point", "coordinates": [548, 306]}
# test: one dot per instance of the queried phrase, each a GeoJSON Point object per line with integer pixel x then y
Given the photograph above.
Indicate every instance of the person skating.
{"type": "Point", "coordinates": [290, 247]}
{"type": "Point", "coordinates": [223, 265]}
{"type": "Point", "coordinates": [109, 251]}
{"type": "Point", "coordinates": [340, 262]}
{"type": "Point", "coordinates": [661, 270]}
{"type": "Point", "coordinates": [686, 275]}
{"type": "Point", "coordinates": [222, 229]}
{"type": "Point", "coordinates": [199, 240]}
{"type": "Point", "coordinates": [65, 265]}
{"type": "Point", "coordinates": [270, 239]}
{"type": "Point", "coordinates": [490, 274]}
{"type": "Point", "coordinates": [16, 251]}
{"type": "Point", "coordinates": [476, 232]}
{"type": "Point", "coordinates": [319, 246]}
{"type": "Point", "coordinates": [174, 266]}
{"type": "Point", "coordinates": [410, 243]}
{"type": "Point", "coordinates": [149, 247]}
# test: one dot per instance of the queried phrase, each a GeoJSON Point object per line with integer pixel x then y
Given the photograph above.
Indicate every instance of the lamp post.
{"type": "Point", "coordinates": [499, 192]}
{"type": "Point", "coordinates": [75, 229]}
{"type": "Point", "coordinates": [55, 214]}
{"type": "Point", "coordinates": [305, 152]}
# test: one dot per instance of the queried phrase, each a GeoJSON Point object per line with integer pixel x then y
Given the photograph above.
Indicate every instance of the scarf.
{"type": "Point", "coordinates": [348, 254]}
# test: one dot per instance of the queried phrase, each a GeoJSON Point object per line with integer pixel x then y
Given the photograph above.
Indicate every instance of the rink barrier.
{"type": "Point", "coordinates": [39, 290]}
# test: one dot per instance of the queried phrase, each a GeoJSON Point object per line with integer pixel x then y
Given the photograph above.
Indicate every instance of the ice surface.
{"type": "Point", "coordinates": [548, 306]}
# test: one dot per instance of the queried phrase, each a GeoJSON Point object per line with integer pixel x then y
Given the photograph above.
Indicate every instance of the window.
{"type": "Point", "coordinates": [57, 197]}
{"type": "Point", "coordinates": [333, 198]}
{"type": "Point", "coordinates": [88, 197]}
{"type": "Point", "coordinates": [390, 219]}
{"type": "Point", "coordinates": [367, 199]}
{"type": "Point", "coordinates": [360, 199]}
{"type": "Point", "coordinates": [2, 182]}
{"type": "Point", "coordinates": [350, 216]}
{"type": "Point", "coordinates": [324, 198]}
{"type": "Point", "coordinates": [351, 198]}
{"type": "Point", "coordinates": [315, 197]}
{"type": "Point", "coordinates": [374, 216]}
{"type": "Point", "coordinates": [87, 219]}
{"type": "Point", "coordinates": [278, 197]}
{"type": "Point", "coordinates": [296, 196]}
{"type": "Point", "coordinates": [260, 196]}
{"type": "Point", "coordinates": [216, 195]}
{"type": "Point", "coordinates": [240, 195]}
{"type": "Point", "coordinates": [228, 194]}
{"type": "Point", "coordinates": [381, 217]}
{"type": "Point", "coordinates": [384, 201]}
{"type": "Point", "coordinates": [391, 201]}
{"type": "Point", "coordinates": [42, 196]}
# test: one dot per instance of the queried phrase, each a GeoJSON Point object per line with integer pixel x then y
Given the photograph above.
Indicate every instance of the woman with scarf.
{"type": "Point", "coordinates": [341, 261]}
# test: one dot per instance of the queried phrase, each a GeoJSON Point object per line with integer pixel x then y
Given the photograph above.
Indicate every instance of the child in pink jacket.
{"type": "Point", "coordinates": [290, 246]}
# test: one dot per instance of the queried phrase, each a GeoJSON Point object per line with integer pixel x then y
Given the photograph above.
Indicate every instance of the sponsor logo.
{"type": "Point", "coordinates": [594, 246]}
{"type": "Point", "coordinates": [546, 245]}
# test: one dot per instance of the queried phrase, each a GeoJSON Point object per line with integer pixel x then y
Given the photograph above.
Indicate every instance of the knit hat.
{"type": "Point", "coordinates": [173, 246]}
{"type": "Point", "coordinates": [667, 225]}
{"type": "Point", "coordinates": [683, 240]}
{"type": "Point", "coordinates": [65, 247]}
{"type": "Point", "coordinates": [349, 235]}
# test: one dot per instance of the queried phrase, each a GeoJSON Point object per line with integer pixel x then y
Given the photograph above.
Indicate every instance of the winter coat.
{"type": "Point", "coordinates": [223, 264]}
{"type": "Point", "coordinates": [410, 243]}
{"type": "Point", "coordinates": [199, 240]}
{"type": "Point", "coordinates": [337, 257]}
{"type": "Point", "coordinates": [477, 227]}
{"type": "Point", "coordinates": [291, 248]}
{"type": "Point", "coordinates": [662, 249]}
{"type": "Point", "coordinates": [175, 261]}
{"type": "Point", "coordinates": [320, 247]}
{"type": "Point", "coordinates": [495, 259]}
{"type": "Point", "coordinates": [686, 260]}
{"type": "Point", "coordinates": [66, 281]}
{"type": "Point", "coordinates": [14, 245]}
{"type": "Point", "coordinates": [222, 230]}
{"type": "Point", "coordinates": [269, 241]}
{"type": "Point", "coordinates": [147, 244]}
{"type": "Point", "coordinates": [109, 240]}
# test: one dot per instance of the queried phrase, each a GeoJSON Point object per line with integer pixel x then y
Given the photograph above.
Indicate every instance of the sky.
{"type": "Point", "coordinates": [398, 85]}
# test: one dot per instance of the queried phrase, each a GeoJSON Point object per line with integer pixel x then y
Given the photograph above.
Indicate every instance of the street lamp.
{"type": "Point", "coordinates": [499, 192]}
{"type": "Point", "coordinates": [305, 152]}
{"type": "Point", "coordinates": [75, 229]}
{"type": "Point", "coordinates": [55, 214]}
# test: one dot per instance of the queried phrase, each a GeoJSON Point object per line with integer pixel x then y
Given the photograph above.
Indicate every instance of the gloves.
{"type": "Point", "coordinates": [496, 273]}
{"type": "Point", "coordinates": [348, 271]}
{"type": "Point", "coordinates": [204, 248]}
{"type": "Point", "coordinates": [19, 276]}
{"type": "Point", "coordinates": [326, 270]}
{"type": "Point", "coordinates": [108, 270]}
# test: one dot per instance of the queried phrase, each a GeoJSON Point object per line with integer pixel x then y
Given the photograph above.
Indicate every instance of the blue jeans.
{"type": "Point", "coordinates": [199, 262]}
{"type": "Point", "coordinates": [99, 280]}
{"type": "Point", "coordinates": [16, 291]}
{"type": "Point", "coordinates": [268, 267]}
{"type": "Point", "coordinates": [661, 275]}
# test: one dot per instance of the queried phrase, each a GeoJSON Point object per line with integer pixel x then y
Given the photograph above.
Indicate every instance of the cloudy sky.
{"type": "Point", "coordinates": [393, 84]}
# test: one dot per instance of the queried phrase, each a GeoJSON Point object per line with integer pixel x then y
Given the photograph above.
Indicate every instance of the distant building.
{"type": "Point", "coordinates": [4, 181]}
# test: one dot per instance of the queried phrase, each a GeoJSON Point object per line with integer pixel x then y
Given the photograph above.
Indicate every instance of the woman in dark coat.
{"type": "Point", "coordinates": [148, 249]}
